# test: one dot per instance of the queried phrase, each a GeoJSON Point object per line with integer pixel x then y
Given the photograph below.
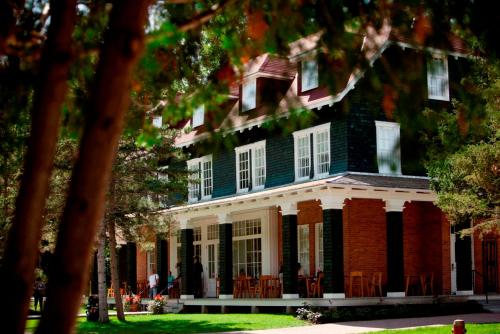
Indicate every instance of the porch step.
{"type": "Point", "coordinates": [173, 306]}
{"type": "Point", "coordinates": [493, 306]}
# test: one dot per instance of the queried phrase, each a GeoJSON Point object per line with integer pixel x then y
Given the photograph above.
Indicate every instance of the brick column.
{"type": "Point", "coordinates": [289, 251]}
{"type": "Point", "coordinates": [162, 263]}
{"type": "Point", "coordinates": [333, 247]}
{"type": "Point", "coordinates": [187, 253]}
{"type": "Point", "coordinates": [132, 267]}
{"type": "Point", "coordinates": [225, 257]}
{"type": "Point", "coordinates": [395, 251]}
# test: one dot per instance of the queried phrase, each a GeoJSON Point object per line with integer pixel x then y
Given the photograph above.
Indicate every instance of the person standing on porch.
{"type": "Point", "coordinates": [197, 272]}
{"type": "Point", "coordinates": [153, 281]}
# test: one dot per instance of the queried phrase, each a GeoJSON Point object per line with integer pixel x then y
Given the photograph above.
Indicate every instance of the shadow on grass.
{"type": "Point", "coordinates": [160, 326]}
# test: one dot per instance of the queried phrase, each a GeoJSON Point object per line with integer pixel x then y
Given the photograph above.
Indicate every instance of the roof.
{"type": "Point", "coordinates": [382, 181]}
{"type": "Point", "coordinates": [345, 185]}
{"type": "Point", "coordinates": [374, 43]}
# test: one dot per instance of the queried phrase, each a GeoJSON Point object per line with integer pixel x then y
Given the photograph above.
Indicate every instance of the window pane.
{"type": "Point", "coordinates": [198, 116]}
{"type": "Point", "coordinates": [322, 153]}
{"type": "Point", "coordinates": [259, 166]}
{"type": "Point", "coordinates": [193, 182]}
{"type": "Point", "coordinates": [303, 155]}
{"type": "Point", "coordinates": [309, 74]}
{"type": "Point", "coordinates": [437, 79]}
{"type": "Point", "coordinates": [303, 247]}
{"type": "Point", "coordinates": [244, 170]}
{"type": "Point", "coordinates": [207, 178]}
{"type": "Point", "coordinates": [249, 91]}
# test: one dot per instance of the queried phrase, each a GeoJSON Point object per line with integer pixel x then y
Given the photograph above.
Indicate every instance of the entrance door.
{"type": "Point", "coordinates": [490, 264]}
{"type": "Point", "coordinates": [453, 264]}
{"type": "Point", "coordinates": [212, 252]}
{"type": "Point", "coordinates": [463, 260]}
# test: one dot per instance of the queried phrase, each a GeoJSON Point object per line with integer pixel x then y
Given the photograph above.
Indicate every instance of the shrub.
{"type": "Point", "coordinates": [307, 313]}
{"type": "Point", "coordinates": [156, 305]}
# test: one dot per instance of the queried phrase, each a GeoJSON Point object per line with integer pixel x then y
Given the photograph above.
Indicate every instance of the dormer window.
{"type": "Point", "coordinates": [437, 78]}
{"type": "Point", "coordinates": [249, 95]}
{"type": "Point", "coordinates": [157, 121]}
{"type": "Point", "coordinates": [198, 116]}
{"type": "Point", "coordinates": [388, 148]}
{"type": "Point", "coordinates": [309, 74]}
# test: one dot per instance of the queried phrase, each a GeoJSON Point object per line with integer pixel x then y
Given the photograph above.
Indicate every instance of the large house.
{"type": "Point", "coordinates": [343, 195]}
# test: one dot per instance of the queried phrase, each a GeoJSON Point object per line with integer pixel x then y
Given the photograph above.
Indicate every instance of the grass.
{"type": "Point", "coordinates": [184, 323]}
{"type": "Point", "coordinates": [471, 328]}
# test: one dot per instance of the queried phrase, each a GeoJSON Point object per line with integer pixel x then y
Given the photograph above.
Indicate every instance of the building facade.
{"type": "Point", "coordinates": [343, 193]}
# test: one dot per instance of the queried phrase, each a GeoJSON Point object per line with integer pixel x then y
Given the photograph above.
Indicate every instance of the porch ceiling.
{"type": "Point", "coordinates": [344, 186]}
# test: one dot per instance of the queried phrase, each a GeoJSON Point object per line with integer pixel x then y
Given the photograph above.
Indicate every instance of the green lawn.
{"type": "Point", "coordinates": [471, 329]}
{"type": "Point", "coordinates": [185, 323]}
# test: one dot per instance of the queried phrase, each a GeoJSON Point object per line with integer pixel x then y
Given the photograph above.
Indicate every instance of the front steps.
{"type": "Point", "coordinates": [173, 306]}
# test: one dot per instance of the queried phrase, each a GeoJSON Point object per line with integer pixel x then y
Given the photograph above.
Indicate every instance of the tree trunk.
{"type": "Point", "coordinates": [21, 251]}
{"type": "Point", "coordinates": [101, 274]}
{"type": "Point", "coordinates": [115, 279]}
{"type": "Point", "coordinates": [84, 209]}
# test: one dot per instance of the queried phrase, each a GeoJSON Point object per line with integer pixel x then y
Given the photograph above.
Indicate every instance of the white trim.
{"type": "Point", "coordinates": [251, 149]}
{"type": "Point", "coordinates": [313, 163]}
{"type": "Point", "coordinates": [224, 218]}
{"type": "Point", "coordinates": [187, 297]}
{"type": "Point", "coordinates": [395, 294]}
{"type": "Point", "coordinates": [226, 297]}
{"type": "Point", "coordinates": [394, 205]}
{"type": "Point", "coordinates": [453, 263]}
{"type": "Point", "coordinates": [334, 296]}
{"type": "Point", "coordinates": [455, 54]}
{"type": "Point", "coordinates": [317, 264]}
{"type": "Point", "coordinates": [465, 293]}
{"type": "Point", "coordinates": [290, 296]}
{"type": "Point", "coordinates": [289, 208]}
{"type": "Point", "coordinates": [332, 202]}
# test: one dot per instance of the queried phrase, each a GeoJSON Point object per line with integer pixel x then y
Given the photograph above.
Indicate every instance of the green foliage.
{"type": "Point", "coordinates": [464, 156]}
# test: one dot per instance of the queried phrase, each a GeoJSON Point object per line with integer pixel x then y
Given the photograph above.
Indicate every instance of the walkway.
{"type": "Point", "coordinates": [378, 325]}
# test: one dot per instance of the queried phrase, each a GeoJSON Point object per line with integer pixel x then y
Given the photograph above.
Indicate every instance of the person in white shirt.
{"type": "Point", "coordinates": [153, 281]}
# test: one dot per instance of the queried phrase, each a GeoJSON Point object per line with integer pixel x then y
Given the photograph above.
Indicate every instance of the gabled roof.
{"type": "Point", "coordinates": [372, 45]}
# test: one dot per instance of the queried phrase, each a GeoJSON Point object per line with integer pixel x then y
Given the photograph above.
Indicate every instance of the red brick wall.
{"type": "Point", "coordinates": [425, 240]}
{"type": "Point", "coordinates": [365, 237]}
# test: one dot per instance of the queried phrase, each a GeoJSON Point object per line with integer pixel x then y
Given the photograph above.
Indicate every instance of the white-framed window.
{"type": "Point", "coordinates": [213, 232]}
{"type": "Point", "coordinates": [318, 236]}
{"type": "Point", "coordinates": [212, 260]}
{"type": "Point", "coordinates": [388, 148]}
{"type": "Point", "coordinates": [197, 242]}
{"type": "Point", "coordinates": [200, 182]}
{"type": "Point", "coordinates": [303, 247]}
{"type": "Point", "coordinates": [198, 116]}
{"type": "Point", "coordinates": [312, 150]}
{"type": "Point", "coordinates": [249, 95]}
{"type": "Point", "coordinates": [437, 77]}
{"type": "Point", "coordinates": [157, 121]}
{"type": "Point", "coordinates": [151, 262]}
{"type": "Point", "coordinates": [247, 248]}
{"type": "Point", "coordinates": [309, 74]}
{"type": "Point", "coordinates": [251, 166]}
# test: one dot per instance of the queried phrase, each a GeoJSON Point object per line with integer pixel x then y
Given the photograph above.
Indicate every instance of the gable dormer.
{"type": "Point", "coordinates": [266, 80]}
{"type": "Point", "coordinates": [198, 117]}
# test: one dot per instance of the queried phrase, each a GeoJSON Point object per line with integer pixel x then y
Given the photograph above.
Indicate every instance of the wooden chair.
{"type": "Point", "coordinates": [356, 275]}
{"type": "Point", "coordinates": [427, 282]}
{"type": "Point", "coordinates": [317, 286]}
{"type": "Point", "coordinates": [375, 285]}
{"type": "Point", "coordinates": [263, 288]}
